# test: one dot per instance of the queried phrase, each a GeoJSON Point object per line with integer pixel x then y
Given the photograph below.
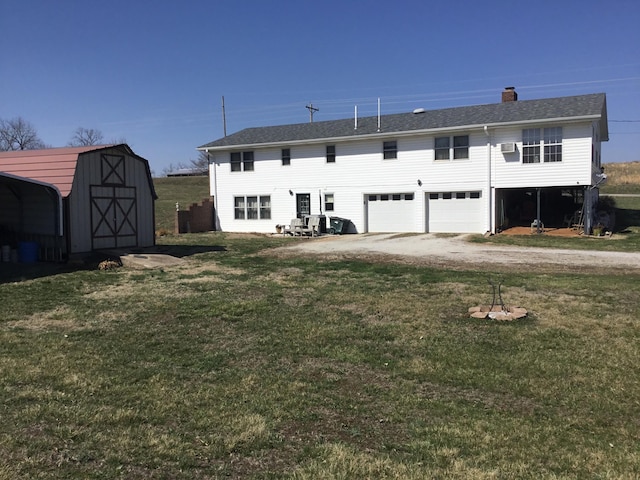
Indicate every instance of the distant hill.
{"type": "Point", "coordinates": [181, 190]}
{"type": "Point", "coordinates": [622, 177]}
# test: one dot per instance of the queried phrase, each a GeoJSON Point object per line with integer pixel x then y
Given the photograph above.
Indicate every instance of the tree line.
{"type": "Point", "coordinates": [19, 134]}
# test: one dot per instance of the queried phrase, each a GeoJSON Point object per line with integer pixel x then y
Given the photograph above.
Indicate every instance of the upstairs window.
{"type": "Point", "coordinates": [442, 148]}
{"type": "Point", "coordinates": [331, 154]}
{"type": "Point", "coordinates": [545, 143]}
{"type": "Point", "coordinates": [241, 161]}
{"type": "Point", "coordinates": [247, 161]}
{"type": "Point", "coordinates": [286, 156]}
{"type": "Point", "coordinates": [236, 162]}
{"type": "Point", "coordinates": [390, 150]}
{"type": "Point", "coordinates": [531, 145]}
{"type": "Point", "coordinates": [456, 147]}
{"type": "Point", "coordinates": [553, 144]}
{"type": "Point", "coordinates": [461, 147]}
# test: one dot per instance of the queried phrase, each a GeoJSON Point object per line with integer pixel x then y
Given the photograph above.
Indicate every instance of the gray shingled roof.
{"type": "Point", "coordinates": [581, 106]}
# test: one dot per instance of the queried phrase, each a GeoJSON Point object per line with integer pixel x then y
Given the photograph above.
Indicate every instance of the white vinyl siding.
{"type": "Point", "coordinates": [361, 170]}
{"type": "Point", "coordinates": [349, 180]}
{"type": "Point", "coordinates": [510, 171]}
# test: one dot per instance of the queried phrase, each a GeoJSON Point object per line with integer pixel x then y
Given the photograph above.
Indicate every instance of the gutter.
{"type": "Point", "coordinates": [490, 192]}
{"type": "Point", "coordinates": [213, 179]}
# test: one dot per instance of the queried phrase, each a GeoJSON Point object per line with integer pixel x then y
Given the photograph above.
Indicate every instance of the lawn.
{"type": "Point", "coordinates": [246, 364]}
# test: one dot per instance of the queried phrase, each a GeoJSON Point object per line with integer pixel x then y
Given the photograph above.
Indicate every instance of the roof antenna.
{"type": "Point", "coordinates": [355, 114]}
{"type": "Point", "coordinates": [378, 113]}
{"type": "Point", "coordinates": [312, 110]}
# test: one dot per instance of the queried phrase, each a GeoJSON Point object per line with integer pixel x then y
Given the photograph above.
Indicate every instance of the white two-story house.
{"type": "Point", "coordinates": [474, 169]}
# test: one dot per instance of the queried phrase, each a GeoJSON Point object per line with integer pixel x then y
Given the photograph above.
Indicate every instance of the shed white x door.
{"type": "Point", "coordinates": [114, 222]}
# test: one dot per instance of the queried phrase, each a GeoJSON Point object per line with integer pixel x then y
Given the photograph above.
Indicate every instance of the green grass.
{"type": "Point", "coordinates": [244, 363]}
{"type": "Point", "coordinates": [172, 190]}
{"type": "Point", "coordinates": [627, 214]}
{"type": "Point", "coordinates": [616, 189]}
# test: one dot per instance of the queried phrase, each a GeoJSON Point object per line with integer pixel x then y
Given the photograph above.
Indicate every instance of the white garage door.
{"type": "Point", "coordinates": [391, 212]}
{"type": "Point", "coordinates": [455, 212]}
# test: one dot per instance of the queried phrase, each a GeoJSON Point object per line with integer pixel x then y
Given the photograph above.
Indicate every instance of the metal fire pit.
{"type": "Point", "coordinates": [497, 310]}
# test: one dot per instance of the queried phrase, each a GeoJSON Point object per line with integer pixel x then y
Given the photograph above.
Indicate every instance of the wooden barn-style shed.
{"type": "Point", "coordinates": [76, 200]}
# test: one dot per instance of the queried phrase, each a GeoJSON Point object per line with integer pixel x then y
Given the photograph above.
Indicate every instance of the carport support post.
{"type": "Point", "coordinates": [538, 230]}
{"type": "Point", "coordinates": [587, 209]}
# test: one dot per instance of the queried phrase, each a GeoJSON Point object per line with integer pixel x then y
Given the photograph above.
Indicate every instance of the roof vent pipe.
{"type": "Point", "coordinates": [418, 111]}
{"type": "Point", "coordinates": [355, 116]}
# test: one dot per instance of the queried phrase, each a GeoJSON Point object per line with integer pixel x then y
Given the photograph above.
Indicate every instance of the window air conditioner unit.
{"type": "Point", "coordinates": [508, 147]}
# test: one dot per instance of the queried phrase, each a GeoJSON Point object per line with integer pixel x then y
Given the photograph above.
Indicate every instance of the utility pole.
{"type": "Point", "coordinates": [312, 110]}
{"type": "Point", "coordinates": [224, 118]}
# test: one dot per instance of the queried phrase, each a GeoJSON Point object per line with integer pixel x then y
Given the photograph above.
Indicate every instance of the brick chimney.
{"type": "Point", "coordinates": [509, 94]}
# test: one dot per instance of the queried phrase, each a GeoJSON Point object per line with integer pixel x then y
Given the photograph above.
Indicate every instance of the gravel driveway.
{"type": "Point", "coordinates": [436, 249]}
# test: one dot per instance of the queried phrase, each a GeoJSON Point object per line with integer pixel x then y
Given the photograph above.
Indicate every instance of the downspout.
{"type": "Point", "coordinates": [213, 181]}
{"type": "Point", "coordinates": [491, 213]}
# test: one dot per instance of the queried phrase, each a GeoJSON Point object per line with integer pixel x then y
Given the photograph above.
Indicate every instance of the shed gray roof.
{"type": "Point", "coordinates": [566, 108]}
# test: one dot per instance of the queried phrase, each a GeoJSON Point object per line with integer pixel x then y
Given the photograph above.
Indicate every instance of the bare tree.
{"type": "Point", "coordinates": [119, 141]}
{"type": "Point", "coordinates": [202, 163]}
{"type": "Point", "coordinates": [194, 167]}
{"type": "Point", "coordinates": [18, 134]}
{"type": "Point", "coordinates": [85, 137]}
{"type": "Point", "coordinates": [171, 168]}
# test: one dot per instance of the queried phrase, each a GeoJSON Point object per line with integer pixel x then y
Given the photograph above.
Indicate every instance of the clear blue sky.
{"type": "Point", "coordinates": [153, 71]}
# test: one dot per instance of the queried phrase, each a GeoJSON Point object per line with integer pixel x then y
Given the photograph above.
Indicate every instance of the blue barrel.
{"type": "Point", "coordinates": [27, 252]}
